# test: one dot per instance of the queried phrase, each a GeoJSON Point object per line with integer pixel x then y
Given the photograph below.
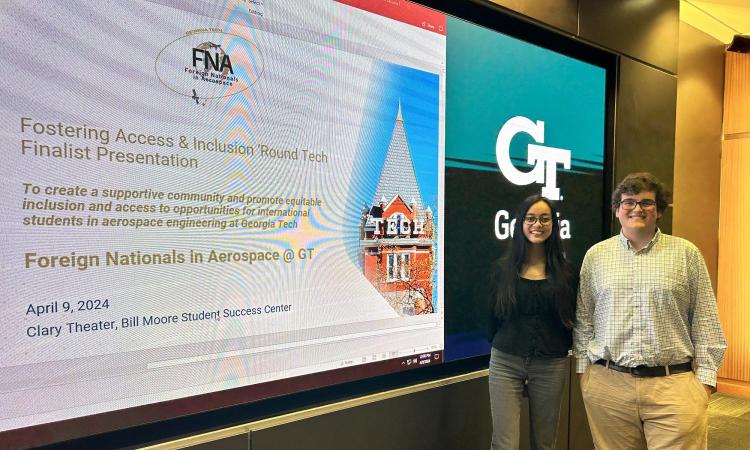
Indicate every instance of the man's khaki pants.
{"type": "Point", "coordinates": [631, 413]}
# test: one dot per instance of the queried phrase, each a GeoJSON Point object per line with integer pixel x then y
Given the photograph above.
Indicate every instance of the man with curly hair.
{"type": "Point", "coordinates": [647, 341]}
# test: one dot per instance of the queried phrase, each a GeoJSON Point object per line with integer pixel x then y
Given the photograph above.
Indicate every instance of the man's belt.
{"type": "Point", "coordinates": [646, 371]}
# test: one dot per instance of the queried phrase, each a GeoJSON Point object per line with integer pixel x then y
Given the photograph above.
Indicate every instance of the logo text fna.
{"type": "Point", "coordinates": [544, 161]}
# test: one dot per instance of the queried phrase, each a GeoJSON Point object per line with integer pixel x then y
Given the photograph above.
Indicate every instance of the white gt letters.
{"type": "Point", "coordinates": [544, 159]}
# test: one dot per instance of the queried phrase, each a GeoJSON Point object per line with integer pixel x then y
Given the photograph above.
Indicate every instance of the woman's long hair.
{"type": "Point", "coordinates": [561, 277]}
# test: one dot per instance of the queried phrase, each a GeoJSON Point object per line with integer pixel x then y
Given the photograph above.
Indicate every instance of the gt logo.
{"type": "Point", "coordinates": [544, 159]}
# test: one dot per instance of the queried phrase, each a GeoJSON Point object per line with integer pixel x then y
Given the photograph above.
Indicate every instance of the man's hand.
{"type": "Point", "coordinates": [709, 390]}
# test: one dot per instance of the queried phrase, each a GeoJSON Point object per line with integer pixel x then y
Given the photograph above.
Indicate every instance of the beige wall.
{"type": "Point", "coordinates": [697, 159]}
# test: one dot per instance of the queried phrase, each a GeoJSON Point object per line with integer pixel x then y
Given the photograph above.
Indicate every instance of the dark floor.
{"type": "Point", "coordinates": [728, 423]}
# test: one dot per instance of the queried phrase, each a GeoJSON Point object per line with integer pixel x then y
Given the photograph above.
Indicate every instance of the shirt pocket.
{"type": "Point", "coordinates": [669, 297]}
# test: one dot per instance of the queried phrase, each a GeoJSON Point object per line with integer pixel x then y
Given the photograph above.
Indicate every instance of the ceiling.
{"type": "Point", "coordinates": [721, 19]}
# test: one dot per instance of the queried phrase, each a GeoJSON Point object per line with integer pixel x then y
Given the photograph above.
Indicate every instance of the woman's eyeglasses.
{"type": "Point", "coordinates": [531, 220]}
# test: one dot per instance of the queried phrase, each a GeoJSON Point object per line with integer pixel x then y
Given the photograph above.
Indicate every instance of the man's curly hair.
{"type": "Point", "coordinates": [639, 182]}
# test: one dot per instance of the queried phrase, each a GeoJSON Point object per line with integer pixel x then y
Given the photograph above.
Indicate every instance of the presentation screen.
{"type": "Point", "coordinates": [520, 120]}
{"type": "Point", "coordinates": [210, 204]}
{"type": "Point", "coordinates": [202, 197]}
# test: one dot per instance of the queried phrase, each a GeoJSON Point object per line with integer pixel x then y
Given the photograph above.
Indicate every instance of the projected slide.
{"type": "Point", "coordinates": [198, 198]}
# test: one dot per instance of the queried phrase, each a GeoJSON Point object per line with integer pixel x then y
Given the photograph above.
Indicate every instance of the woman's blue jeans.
{"type": "Point", "coordinates": [544, 379]}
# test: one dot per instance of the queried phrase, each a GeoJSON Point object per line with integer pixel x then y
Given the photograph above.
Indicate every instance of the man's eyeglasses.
{"type": "Point", "coordinates": [629, 204]}
{"type": "Point", "coordinates": [531, 220]}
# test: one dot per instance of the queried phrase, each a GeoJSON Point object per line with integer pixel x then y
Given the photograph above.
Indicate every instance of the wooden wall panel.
{"type": "Point", "coordinates": [734, 248]}
{"type": "Point", "coordinates": [737, 94]}
{"type": "Point", "coordinates": [734, 239]}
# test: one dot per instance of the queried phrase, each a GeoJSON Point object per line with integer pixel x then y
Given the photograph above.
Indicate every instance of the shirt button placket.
{"type": "Point", "coordinates": [635, 284]}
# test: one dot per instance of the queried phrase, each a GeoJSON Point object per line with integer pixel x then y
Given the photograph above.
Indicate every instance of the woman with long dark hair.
{"type": "Point", "coordinates": [532, 311]}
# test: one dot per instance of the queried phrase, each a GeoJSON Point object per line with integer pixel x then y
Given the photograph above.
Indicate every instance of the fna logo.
{"type": "Point", "coordinates": [213, 63]}
{"type": "Point", "coordinates": [544, 161]}
{"type": "Point", "coordinates": [209, 64]}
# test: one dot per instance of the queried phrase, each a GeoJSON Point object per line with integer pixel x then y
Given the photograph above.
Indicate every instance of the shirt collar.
{"type": "Point", "coordinates": [625, 243]}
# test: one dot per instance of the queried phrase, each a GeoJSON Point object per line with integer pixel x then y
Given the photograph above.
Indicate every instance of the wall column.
{"type": "Point", "coordinates": [734, 215]}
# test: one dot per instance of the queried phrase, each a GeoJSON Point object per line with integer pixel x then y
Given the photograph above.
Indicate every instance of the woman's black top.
{"type": "Point", "coordinates": [534, 328]}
